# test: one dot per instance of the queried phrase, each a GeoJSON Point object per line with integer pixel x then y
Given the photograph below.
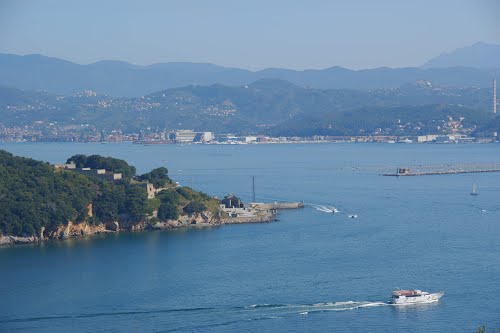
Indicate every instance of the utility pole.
{"type": "Point", "coordinates": [253, 188]}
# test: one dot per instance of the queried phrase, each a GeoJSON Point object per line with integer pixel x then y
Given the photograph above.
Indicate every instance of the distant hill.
{"type": "Point", "coordinates": [478, 55]}
{"type": "Point", "coordinates": [267, 106]}
{"type": "Point", "coordinates": [399, 120]}
{"type": "Point", "coordinates": [121, 79]}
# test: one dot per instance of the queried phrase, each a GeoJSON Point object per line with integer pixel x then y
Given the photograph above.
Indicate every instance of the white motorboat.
{"type": "Point", "coordinates": [414, 296]}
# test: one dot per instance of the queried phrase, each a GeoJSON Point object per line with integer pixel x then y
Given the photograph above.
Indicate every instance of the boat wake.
{"type": "Point", "coordinates": [325, 208]}
{"type": "Point", "coordinates": [306, 309]}
{"type": "Point", "coordinates": [250, 312]}
{"type": "Point", "coordinates": [214, 316]}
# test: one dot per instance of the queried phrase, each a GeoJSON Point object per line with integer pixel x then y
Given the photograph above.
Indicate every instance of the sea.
{"type": "Point", "coordinates": [311, 271]}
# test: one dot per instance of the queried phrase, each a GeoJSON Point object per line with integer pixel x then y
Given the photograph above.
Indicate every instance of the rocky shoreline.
{"type": "Point", "coordinates": [71, 230]}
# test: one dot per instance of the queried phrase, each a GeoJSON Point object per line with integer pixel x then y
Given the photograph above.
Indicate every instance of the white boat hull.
{"type": "Point", "coordinates": [423, 298]}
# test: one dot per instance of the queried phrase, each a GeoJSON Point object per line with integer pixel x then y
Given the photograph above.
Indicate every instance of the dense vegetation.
{"type": "Point", "coordinates": [399, 120]}
{"type": "Point", "coordinates": [158, 177]}
{"type": "Point", "coordinates": [182, 200]}
{"type": "Point", "coordinates": [100, 162]}
{"type": "Point", "coordinates": [34, 194]}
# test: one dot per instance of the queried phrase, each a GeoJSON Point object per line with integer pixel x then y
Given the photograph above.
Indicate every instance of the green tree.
{"type": "Point", "coordinates": [136, 202]}
{"type": "Point", "coordinates": [158, 177]}
{"type": "Point", "coordinates": [194, 207]}
{"type": "Point", "coordinates": [108, 163]}
{"type": "Point", "coordinates": [168, 211]}
{"type": "Point", "coordinates": [34, 195]}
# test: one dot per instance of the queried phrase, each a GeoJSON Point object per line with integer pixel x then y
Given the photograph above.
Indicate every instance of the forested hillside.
{"type": "Point", "coordinates": [37, 198]}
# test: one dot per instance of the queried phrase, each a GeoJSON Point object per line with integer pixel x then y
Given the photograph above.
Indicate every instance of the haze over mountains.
{"type": "Point", "coordinates": [479, 55]}
{"type": "Point", "coordinates": [472, 66]}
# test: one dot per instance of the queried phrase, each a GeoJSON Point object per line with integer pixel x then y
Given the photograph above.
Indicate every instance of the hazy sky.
{"type": "Point", "coordinates": [250, 34]}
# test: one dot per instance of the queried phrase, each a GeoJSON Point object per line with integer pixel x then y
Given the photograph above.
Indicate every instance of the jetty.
{"type": "Point", "coordinates": [445, 169]}
{"type": "Point", "coordinates": [234, 211]}
{"type": "Point", "coordinates": [276, 205]}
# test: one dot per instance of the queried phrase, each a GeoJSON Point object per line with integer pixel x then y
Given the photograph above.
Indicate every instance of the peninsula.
{"type": "Point", "coordinates": [94, 194]}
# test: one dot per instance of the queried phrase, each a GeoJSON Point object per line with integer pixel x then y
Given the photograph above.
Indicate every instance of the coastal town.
{"type": "Point", "coordinates": [184, 116]}
{"type": "Point", "coordinates": [450, 131]}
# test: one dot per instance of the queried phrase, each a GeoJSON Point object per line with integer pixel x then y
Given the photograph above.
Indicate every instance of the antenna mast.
{"type": "Point", "coordinates": [494, 95]}
{"type": "Point", "coordinates": [253, 188]}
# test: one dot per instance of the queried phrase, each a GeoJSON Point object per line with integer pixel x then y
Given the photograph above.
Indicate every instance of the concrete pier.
{"type": "Point", "coordinates": [276, 205]}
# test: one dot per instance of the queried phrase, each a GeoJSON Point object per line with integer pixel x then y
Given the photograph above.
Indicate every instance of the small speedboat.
{"type": "Point", "coordinates": [474, 190]}
{"type": "Point", "coordinates": [353, 216]}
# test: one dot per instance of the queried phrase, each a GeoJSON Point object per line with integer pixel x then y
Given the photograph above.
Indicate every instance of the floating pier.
{"type": "Point", "coordinates": [446, 169]}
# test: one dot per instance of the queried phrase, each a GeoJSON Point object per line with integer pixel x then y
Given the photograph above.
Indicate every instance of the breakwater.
{"type": "Point", "coordinates": [249, 219]}
{"type": "Point", "coordinates": [446, 169]}
{"type": "Point", "coordinates": [276, 205]}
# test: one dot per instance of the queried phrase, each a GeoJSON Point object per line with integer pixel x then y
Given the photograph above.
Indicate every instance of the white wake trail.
{"type": "Point", "coordinates": [306, 309]}
{"type": "Point", "coordinates": [322, 208]}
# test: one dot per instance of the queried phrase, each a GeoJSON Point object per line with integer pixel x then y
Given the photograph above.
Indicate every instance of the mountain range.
{"type": "Point", "coordinates": [473, 66]}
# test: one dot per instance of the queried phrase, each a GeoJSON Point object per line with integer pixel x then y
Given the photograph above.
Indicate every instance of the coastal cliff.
{"type": "Point", "coordinates": [84, 229]}
{"type": "Point", "coordinates": [72, 230]}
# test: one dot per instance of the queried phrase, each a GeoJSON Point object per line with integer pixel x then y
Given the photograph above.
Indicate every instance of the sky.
{"type": "Point", "coordinates": [250, 34]}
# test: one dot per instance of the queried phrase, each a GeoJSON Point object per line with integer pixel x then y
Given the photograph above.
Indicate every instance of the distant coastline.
{"type": "Point", "coordinates": [263, 140]}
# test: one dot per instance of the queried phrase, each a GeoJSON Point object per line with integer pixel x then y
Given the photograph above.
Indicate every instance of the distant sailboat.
{"type": "Point", "coordinates": [474, 190]}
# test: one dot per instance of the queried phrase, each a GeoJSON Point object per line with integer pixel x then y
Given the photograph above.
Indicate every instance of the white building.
{"type": "Point", "coordinates": [207, 136]}
{"type": "Point", "coordinates": [427, 138]}
{"type": "Point", "coordinates": [184, 136]}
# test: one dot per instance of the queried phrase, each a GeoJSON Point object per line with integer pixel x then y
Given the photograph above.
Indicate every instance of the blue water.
{"type": "Point", "coordinates": [310, 271]}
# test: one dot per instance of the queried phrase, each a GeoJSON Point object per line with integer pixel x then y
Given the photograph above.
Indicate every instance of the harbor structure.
{"type": "Point", "coordinates": [188, 136]}
{"type": "Point", "coordinates": [184, 136]}
{"type": "Point", "coordinates": [448, 169]}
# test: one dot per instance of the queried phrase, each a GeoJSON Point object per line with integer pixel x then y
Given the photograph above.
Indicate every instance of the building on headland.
{"type": "Point", "coordinates": [99, 172]}
{"type": "Point", "coordinates": [150, 189]}
{"type": "Point", "coordinates": [234, 208]}
{"type": "Point", "coordinates": [67, 166]}
{"type": "Point", "coordinates": [231, 201]}
{"type": "Point", "coordinates": [90, 172]}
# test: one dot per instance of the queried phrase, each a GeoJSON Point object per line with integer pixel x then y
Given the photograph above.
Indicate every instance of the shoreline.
{"type": "Point", "coordinates": [82, 230]}
{"type": "Point", "coordinates": [153, 143]}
